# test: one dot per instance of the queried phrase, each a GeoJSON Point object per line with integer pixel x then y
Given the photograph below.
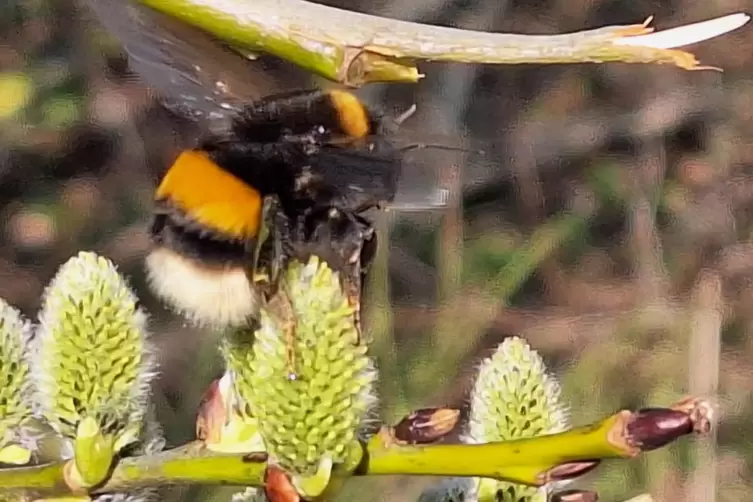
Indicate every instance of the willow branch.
{"type": "Point", "coordinates": [355, 48]}
{"type": "Point", "coordinates": [189, 464]}
{"type": "Point", "coordinates": [534, 461]}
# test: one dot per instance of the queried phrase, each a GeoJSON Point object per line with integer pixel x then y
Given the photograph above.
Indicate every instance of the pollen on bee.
{"type": "Point", "coordinates": [354, 118]}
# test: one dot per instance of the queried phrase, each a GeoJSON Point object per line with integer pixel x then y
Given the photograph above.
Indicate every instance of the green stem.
{"type": "Point", "coordinates": [526, 461]}
{"type": "Point", "coordinates": [46, 478]}
{"type": "Point", "coordinates": [189, 464]}
{"type": "Point", "coordinates": [523, 461]}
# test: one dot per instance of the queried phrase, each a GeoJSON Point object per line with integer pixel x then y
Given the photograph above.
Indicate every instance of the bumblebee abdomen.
{"type": "Point", "coordinates": [199, 276]}
{"type": "Point", "coordinates": [205, 220]}
{"type": "Point", "coordinates": [206, 294]}
{"type": "Point", "coordinates": [172, 229]}
{"type": "Point", "coordinates": [211, 196]}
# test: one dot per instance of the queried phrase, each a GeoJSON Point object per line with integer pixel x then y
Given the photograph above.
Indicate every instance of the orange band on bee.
{"type": "Point", "coordinates": [353, 117]}
{"type": "Point", "coordinates": [212, 196]}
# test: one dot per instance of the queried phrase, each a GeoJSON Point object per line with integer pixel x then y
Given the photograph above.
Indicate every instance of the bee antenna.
{"type": "Point", "coordinates": [419, 146]}
{"type": "Point", "coordinates": [434, 146]}
{"type": "Point", "coordinates": [405, 115]}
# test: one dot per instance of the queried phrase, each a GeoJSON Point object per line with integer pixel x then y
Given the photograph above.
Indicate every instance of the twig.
{"type": "Point", "coordinates": [354, 48]}
{"type": "Point", "coordinates": [535, 461]}
{"type": "Point", "coordinates": [704, 363]}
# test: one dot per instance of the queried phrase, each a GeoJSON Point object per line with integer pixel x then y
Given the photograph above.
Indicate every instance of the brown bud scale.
{"type": "Point", "coordinates": [567, 471]}
{"type": "Point", "coordinates": [211, 416]}
{"type": "Point", "coordinates": [278, 487]}
{"type": "Point", "coordinates": [652, 428]}
{"type": "Point", "coordinates": [426, 425]}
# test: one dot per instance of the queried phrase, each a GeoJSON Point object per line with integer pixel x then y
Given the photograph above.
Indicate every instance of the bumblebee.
{"type": "Point", "coordinates": [317, 154]}
{"type": "Point", "coordinates": [306, 166]}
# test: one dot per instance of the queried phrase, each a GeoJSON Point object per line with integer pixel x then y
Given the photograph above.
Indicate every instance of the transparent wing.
{"type": "Point", "coordinates": [191, 71]}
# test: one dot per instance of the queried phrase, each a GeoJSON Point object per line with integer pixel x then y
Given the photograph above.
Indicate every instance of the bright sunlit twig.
{"type": "Point", "coordinates": [686, 35]}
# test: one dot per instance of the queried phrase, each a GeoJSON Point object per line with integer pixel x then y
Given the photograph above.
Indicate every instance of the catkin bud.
{"type": "Point", "coordinates": [311, 421]}
{"type": "Point", "coordinates": [514, 398]}
{"type": "Point", "coordinates": [15, 398]}
{"type": "Point", "coordinates": [92, 363]}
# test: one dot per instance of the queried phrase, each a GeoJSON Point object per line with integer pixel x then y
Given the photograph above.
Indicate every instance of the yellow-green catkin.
{"type": "Point", "coordinates": [309, 421]}
{"type": "Point", "coordinates": [514, 397]}
{"type": "Point", "coordinates": [92, 362]}
{"type": "Point", "coordinates": [15, 390]}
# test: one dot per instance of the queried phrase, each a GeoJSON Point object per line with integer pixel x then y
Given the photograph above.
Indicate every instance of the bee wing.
{"type": "Point", "coordinates": [427, 180]}
{"type": "Point", "coordinates": [380, 173]}
{"type": "Point", "coordinates": [192, 72]}
{"type": "Point", "coordinates": [359, 175]}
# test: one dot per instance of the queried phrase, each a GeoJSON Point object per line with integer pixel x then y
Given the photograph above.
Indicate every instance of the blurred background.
{"type": "Point", "coordinates": [609, 222]}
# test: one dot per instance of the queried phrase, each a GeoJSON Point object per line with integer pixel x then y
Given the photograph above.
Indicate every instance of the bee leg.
{"type": "Point", "coordinates": [279, 254]}
{"type": "Point", "coordinates": [361, 262]}
{"type": "Point", "coordinates": [290, 345]}
{"type": "Point", "coordinates": [353, 294]}
{"type": "Point", "coordinates": [289, 332]}
{"type": "Point", "coordinates": [269, 210]}
{"type": "Point", "coordinates": [370, 204]}
{"type": "Point", "coordinates": [282, 235]}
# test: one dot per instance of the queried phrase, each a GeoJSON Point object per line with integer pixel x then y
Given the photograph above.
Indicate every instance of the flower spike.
{"type": "Point", "coordinates": [514, 398]}
{"type": "Point", "coordinates": [15, 398]}
{"type": "Point", "coordinates": [309, 422]}
{"type": "Point", "coordinates": [92, 363]}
